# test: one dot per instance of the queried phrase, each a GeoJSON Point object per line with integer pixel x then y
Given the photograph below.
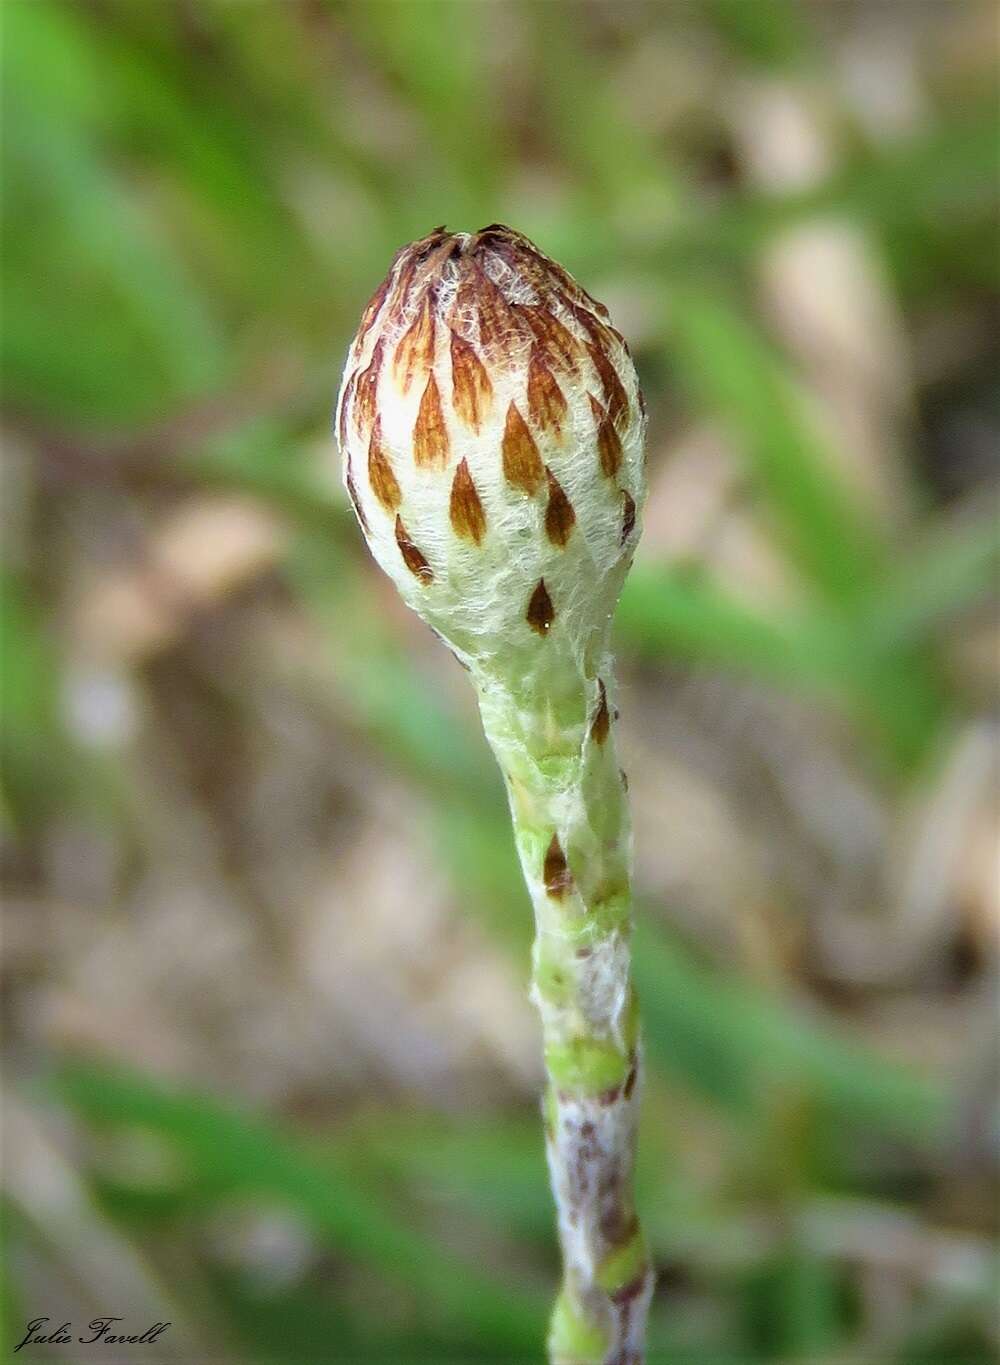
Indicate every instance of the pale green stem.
{"type": "Point", "coordinates": [570, 813]}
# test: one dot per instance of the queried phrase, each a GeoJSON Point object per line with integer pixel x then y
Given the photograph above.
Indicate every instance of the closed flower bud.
{"type": "Point", "coordinates": [492, 428]}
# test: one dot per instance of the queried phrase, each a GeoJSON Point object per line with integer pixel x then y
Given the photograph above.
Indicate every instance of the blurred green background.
{"type": "Point", "coordinates": [271, 1069]}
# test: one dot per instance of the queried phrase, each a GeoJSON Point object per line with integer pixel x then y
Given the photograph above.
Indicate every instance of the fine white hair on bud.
{"type": "Point", "coordinates": [492, 429]}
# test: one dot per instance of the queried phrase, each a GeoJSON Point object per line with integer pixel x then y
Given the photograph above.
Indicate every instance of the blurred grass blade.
{"type": "Point", "coordinates": [246, 1154]}
{"type": "Point", "coordinates": [732, 1044]}
{"type": "Point", "coordinates": [926, 186]}
{"type": "Point", "coordinates": [681, 613]}
{"type": "Point", "coordinates": [948, 574]}
{"type": "Point", "coordinates": [769, 33]}
{"type": "Point", "coordinates": [56, 175]}
{"type": "Point", "coordinates": [835, 655]}
{"type": "Point", "coordinates": [734, 375]}
{"type": "Point", "coordinates": [437, 54]}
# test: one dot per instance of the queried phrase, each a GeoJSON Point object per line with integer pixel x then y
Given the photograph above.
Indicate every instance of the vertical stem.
{"type": "Point", "coordinates": [553, 740]}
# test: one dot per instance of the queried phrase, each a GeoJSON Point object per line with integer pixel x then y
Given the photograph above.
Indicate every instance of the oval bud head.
{"type": "Point", "coordinates": [492, 432]}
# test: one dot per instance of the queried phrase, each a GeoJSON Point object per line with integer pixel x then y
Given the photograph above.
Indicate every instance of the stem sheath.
{"type": "Point", "coordinates": [554, 742]}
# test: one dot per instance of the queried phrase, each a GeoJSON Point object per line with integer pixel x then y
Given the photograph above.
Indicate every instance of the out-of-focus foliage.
{"type": "Point", "coordinates": [271, 1068]}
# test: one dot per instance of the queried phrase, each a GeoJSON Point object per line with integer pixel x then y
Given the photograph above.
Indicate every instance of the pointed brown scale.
{"type": "Point", "coordinates": [352, 493]}
{"type": "Point", "coordinates": [559, 515]}
{"type": "Point", "coordinates": [628, 515]}
{"type": "Point", "coordinates": [383, 481]}
{"type": "Point", "coordinates": [345, 406]}
{"type": "Point", "coordinates": [559, 343]}
{"type": "Point", "coordinates": [430, 267]}
{"type": "Point", "coordinates": [498, 323]}
{"type": "Point", "coordinates": [412, 557]}
{"type": "Point", "coordinates": [465, 508]}
{"type": "Point", "coordinates": [616, 399]}
{"type": "Point", "coordinates": [555, 870]}
{"type": "Point", "coordinates": [402, 286]}
{"type": "Point", "coordinates": [601, 723]}
{"type": "Point", "coordinates": [430, 435]}
{"type": "Point", "coordinates": [527, 267]}
{"type": "Point", "coordinates": [522, 464]}
{"type": "Point", "coordinates": [540, 613]}
{"type": "Point", "coordinates": [594, 326]}
{"type": "Point", "coordinates": [630, 1080]}
{"type": "Point", "coordinates": [637, 1286]}
{"type": "Point", "coordinates": [547, 406]}
{"type": "Point", "coordinates": [365, 405]}
{"type": "Point", "coordinates": [371, 312]}
{"type": "Point", "coordinates": [608, 444]}
{"type": "Point", "coordinates": [526, 260]}
{"type": "Point", "coordinates": [415, 352]}
{"type": "Point", "coordinates": [471, 387]}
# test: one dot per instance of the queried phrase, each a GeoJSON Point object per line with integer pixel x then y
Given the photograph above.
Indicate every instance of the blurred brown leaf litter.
{"type": "Point", "coordinates": [271, 1070]}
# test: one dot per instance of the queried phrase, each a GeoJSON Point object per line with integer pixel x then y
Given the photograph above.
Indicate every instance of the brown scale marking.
{"type": "Point", "coordinates": [471, 387]}
{"type": "Point", "coordinates": [520, 250]}
{"type": "Point", "coordinates": [526, 266]}
{"type": "Point", "coordinates": [430, 268]}
{"type": "Point", "coordinates": [598, 331]}
{"type": "Point", "coordinates": [497, 230]}
{"type": "Point", "coordinates": [624, 777]}
{"type": "Point", "coordinates": [383, 481]}
{"type": "Point", "coordinates": [573, 287]}
{"type": "Point", "coordinates": [618, 1225]}
{"type": "Point", "coordinates": [609, 445]}
{"type": "Point", "coordinates": [559, 343]}
{"type": "Point", "coordinates": [630, 1291]}
{"type": "Point", "coordinates": [628, 515]}
{"type": "Point", "coordinates": [522, 464]}
{"type": "Point", "coordinates": [547, 406]}
{"type": "Point", "coordinates": [498, 323]}
{"type": "Point", "coordinates": [465, 508]}
{"type": "Point", "coordinates": [365, 406]}
{"type": "Point", "coordinates": [412, 557]}
{"type": "Point", "coordinates": [540, 613]}
{"type": "Point", "coordinates": [352, 493]}
{"type": "Point", "coordinates": [609, 1096]}
{"type": "Point", "coordinates": [400, 295]}
{"type": "Point", "coordinates": [555, 872]}
{"type": "Point", "coordinates": [415, 352]}
{"type": "Point", "coordinates": [601, 723]}
{"type": "Point", "coordinates": [345, 404]}
{"type": "Point", "coordinates": [559, 515]}
{"type": "Point", "coordinates": [372, 309]}
{"type": "Point", "coordinates": [614, 390]}
{"type": "Point", "coordinates": [630, 1080]}
{"type": "Point", "coordinates": [430, 435]}
{"type": "Point", "coordinates": [529, 265]}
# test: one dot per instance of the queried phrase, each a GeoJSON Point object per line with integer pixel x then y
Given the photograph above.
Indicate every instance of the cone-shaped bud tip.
{"type": "Point", "coordinates": [491, 428]}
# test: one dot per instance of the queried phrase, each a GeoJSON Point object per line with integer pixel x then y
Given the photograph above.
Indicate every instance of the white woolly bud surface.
{"type": "Point", "coordinates": [492, 430]}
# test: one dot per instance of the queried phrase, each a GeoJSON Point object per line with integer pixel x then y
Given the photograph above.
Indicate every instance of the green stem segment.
{"type": "Point", "coordinates": [552, 737]}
